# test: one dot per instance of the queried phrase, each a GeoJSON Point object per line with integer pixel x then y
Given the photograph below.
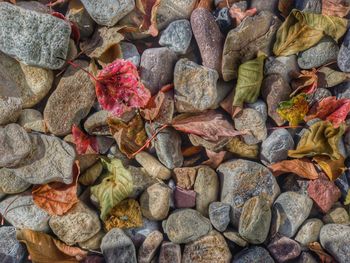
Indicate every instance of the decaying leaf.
{"type": "Point", "coordinates": [293, 110]}
{"type": "Point", "coordinates": [305, 82]}
{"type": "Point", "coordinates": [285, 6]}
{"type": "Point", "coordinates": [149, 9]}
{"type": "Point", "coordinates": [237, 14]}
{"type": "Point", "coordinates": [338, 8]}
{"type": "Point", "coordinates": [241, 149]}
{"type": "Point", "coordinates": [323, 256]}
{"type": "Point", "coordinates": [91, 174]}
{"type": "Point", "coordinates": [129, 136]}
{"type": "Point", "coordinates": [328, 77]}
{"type": "Point", "coordinates": [320, 139]}
{"type": "Point", "coordinates": [115, 187]}
{"type": "Point", "coordinates": [126, 214]}
{"type": "Point", "coordinates": [215, 159]}
{"type": "Point", "coordinates": [332, 168]}
{"type": "Point", "coordinates": [84, 144]}
{"type": "Point", "coordinates": [45, 249]}
{"type": "Point", "coordinates": [301, 167]}
{"type": "Point", "coordinates": [301, 31]}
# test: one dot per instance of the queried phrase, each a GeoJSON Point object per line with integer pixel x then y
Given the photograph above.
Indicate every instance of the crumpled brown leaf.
{"type": "Point", "coordinates": [332, 168]}
{"type": "Point", "coordinates": [323, 256]}
{"type": "Point", "coordinates": [285, 6]}
{"type": "Point", "coordinates": [301, 167]}
{"type": "Point", "coordinates": [241, 149]}
{"type": "Point", "coordinates": [338, 8]}
{"type": "Point", "coordinates": [237, 14]}
{"type": "Point", "coordinates": [215, 159]}
{"type": "Point", "coordinates": [305, 81]}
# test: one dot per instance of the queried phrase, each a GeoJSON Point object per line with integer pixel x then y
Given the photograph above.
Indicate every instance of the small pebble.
{"type": "Point", "coordinates": [235, 238]}
{"type": "Point", "coordinates": [185, 177]}
{"type": "Point", "coordinates": [260, 106]}
{"type": "Point", "coordinates": [170, 253]}
{"type": "Point", "coordinates": [337, 215]}
{"type": "Point", "coordinates": [282, 66]}
{"type": "Point", "coordinates": [12, 184]}
{"type": "Point", "coordinates": [344, 54]}
{"type": "Point", "coordinates": [11, 250]}
{"type": "Point", "coordinates": [284, 249]}
{"type": "Point", "coordinates": [309, 6]}
{"type": "Point", "coordinates": [309, 232]}
{"type": "Point", "coordinates": [253, 255]}
{"type": "Point", "coordinates": [149, 247]}
{"type": "Point", "coordinates": [223, 19]}
{"type": "Point", "coordinates": [184, 198]}
{"type": "Point", "coordinates": [32, 120]}
{"type": "Point", "coordinates": [219, 214]}
{"type": "Point", "coordinates": [152, 166]}
{"type": "Point", "coordinates": [130, 53]}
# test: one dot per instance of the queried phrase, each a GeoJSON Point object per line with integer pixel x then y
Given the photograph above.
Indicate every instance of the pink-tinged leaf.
{"type": "Point", "coordinates": [119, 89]}
{"type": "Point", "coordinates": [210, 125]}
{"type": "Point", "coordinates": [238, 15]}
{"type": "Point", "coordinates": [215, 159]}
{"type": "Point", "coordinates": [84, 143]}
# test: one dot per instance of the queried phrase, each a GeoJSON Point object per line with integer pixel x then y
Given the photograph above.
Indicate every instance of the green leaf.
{"type": "Point", "coordinates": [294, 110]}
{"type": "Point", "coordinates": [115, 187]}
{"type": "Point", "coordinates": [301, 31]}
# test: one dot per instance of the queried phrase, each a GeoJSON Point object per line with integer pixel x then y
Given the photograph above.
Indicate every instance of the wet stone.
{"type": "Point", "coordinates": [219, 214]}
{"type": "Point", "coordinates": [344, 54]}
{"type": "Point", "coordinates": [253, 255]}
{"type": "Point", "coordinates": [338, 215]}
{"type": "Point", "coordinates": [309, 231]}
{"type": "Point", "coordinates": [149, 247]}
{"type": "Point", "coordinates": [11, 250]}
{"type": "Point", "coordinates": [170, 253]}
{"type": "Point", "coordinates": [130, 52]}
{"type": "Point", "coordinates": [184, 198]}
{"type": "Point", "coordinates": [284, 249]}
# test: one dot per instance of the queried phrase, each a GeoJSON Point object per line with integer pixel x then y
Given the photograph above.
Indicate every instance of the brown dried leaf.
{"type": "Point", "coordinates": [324, 257]}
{"type": "Point", "coordinates": [215, 159]}
{"type": "Point", "coordinates": [285, 6]}
{"type": "Point", "coordinates": [305, 81]}
{"type": "Point", "coordinates": [332, 168]}
{"type": "Point", "coordinates": [338, 8]}
{"type": "Point", "coordinates": [301, 167]}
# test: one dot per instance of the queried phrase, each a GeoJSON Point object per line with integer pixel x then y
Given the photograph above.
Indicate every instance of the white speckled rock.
{"type": "Point", "coordinates": [309, 231]}
{"type": "Point", "coordinates": [11, 250]}
{"type": "Point", "coordinates": [32, 120]}
{"type": "Point", "coordinates": [12, 184]}
{"type": "Point", "coordinates": [130, 52]}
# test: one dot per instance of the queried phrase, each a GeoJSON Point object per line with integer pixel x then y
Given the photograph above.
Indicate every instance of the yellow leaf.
{"type": "Point", "coordinates": [294, 110]}
{"type": "Point", "coordinates": [332, 168]}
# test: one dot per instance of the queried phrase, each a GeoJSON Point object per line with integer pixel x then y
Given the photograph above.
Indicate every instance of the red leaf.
{"type": "Point", "coordinates": [119, 89]}
{"type": "Point", "coordinates": [84, 144]}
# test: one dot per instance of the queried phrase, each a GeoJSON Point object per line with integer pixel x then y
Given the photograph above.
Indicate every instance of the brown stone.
{"type": "Point", "coordinates": [185, 177]}
{"type": "Point", "coordinates": [149, 247]}
{"type": "Point", "coordinates": [170, 253]}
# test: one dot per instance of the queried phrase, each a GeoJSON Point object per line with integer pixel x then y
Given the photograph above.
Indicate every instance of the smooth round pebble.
{"type": "Point", "coordinates": [219, 214]}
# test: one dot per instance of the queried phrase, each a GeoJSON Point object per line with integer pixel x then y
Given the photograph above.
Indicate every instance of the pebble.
{"type": "Point", "coordinates": [21, 212]}
{"type": "Point", "coordinates": [282, 66]}
{"type": "Point", "coordinates": [152, 166]}
{"type": "Point", "coordinates": [96, 123]}
{"type": "Point", "coordinates": [12, 184]}
{"type": "Point", "coordinates": [254, 223]}
{"type": "Point", "coordinates": [184, 198]}
{"type": "Point", "coordinates": [309, 232]}
{"type": "Point", "coordinates": [310, 6]}
{"type": "Point", "coordinates": [344, 54]}
{"type": "Point", "coordinates": [139, 234]}
{"type": "Point", "coordinates": [10, 109]}
{"type": "Point", "coordinates": [149, 247]}
{"type": "Point", "coordinates": [223, 19]}
{"type": "Point", "coordinates": [306, 257]}
{"type": "Point", "coordinates": [263, 5]}
{"type": "Point", "coordinates": [207, 188]}
{"type": "Point", "coordinates": [275, 147]}
{"type": "Point", "coordinates": [322, 53]}
{"type": "Point", "coordinates": [117, 245]}
{"type": "Point", "coordinates": [337, 215]}
{"type": "Point", "coordinates": [284, 249]}
{"type": "Point", "coordinates": [342, 91]}
{"type": "Point", "coordinates": [157, 66]}
{"type": "Point", "coordinates": [41, 44]}
{"type": "Point", "coordinates": [32, 120]}
{"type": "Point", "coordinates": [290, 210]}
{"type": "Point", "coordinates": [209, 248]}
{"type": "Point", "coordinates": [170, 253]}
{"type": "Point", "coordinates": [108, 12]}
{"type": "Point", "coordinates": [71, 101]}
{"type": "Point", "coordinates": [234, 237]}
{"type": "Point", "coordinates": [209, 145]}
{"type": "Point", "coordinates": [319, 94]}
{"type": "Point", "coordinates": [141, 180]}
{"type": "Point", "coordinates": [130, 53]}
{"type": "Point", "coordinates": [209, 38]}
{"type": "Point", "coordinates": [185, 177]}
{"type": "Point", "coordinates": [186, 225]}
{"type": "Point", "coordinates": [11, 250]}
{"type": "Point", "coordinates": [219, 214]}
{"type": "Point", "coordinates": [253, 254]}
{"type": "Point", "coordinates": [260, 106]}
{"type": "Point", "coordinates": [155, 201]}
{"type": "Point", "coordinates": [243, 179]}
{"type": "Point", "coordinates": [93, 243]}
{"type": "Point", "coordinates": [177, 36]}
{"type": "Point", "coordinates": [195, 86]}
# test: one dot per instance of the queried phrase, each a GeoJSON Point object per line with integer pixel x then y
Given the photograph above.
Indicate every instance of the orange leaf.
{"type": "Point", "coordinates": [191, 150]}
{"type": "Point", "coordinates": [237, 14]}
{"type": "Point", "coordinates": [152, 109]}
{"type": "Point", "coordinates": [324, 257]}
{"type": "Point", "coordinates": [285, 6]}
{"type": "Point", "coordinates": [332, 168]}
{"type": "Point", "coordinates": [301, 167]}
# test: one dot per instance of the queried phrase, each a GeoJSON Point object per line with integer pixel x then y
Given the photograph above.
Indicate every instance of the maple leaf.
{"type": "Point", "coordinates": [294, 110]}
{"type": "Point", "coordinates": [119, 89]}
{"type": "Point", "coordinates": [306, 82]}
{"type": "Point", "coordinates": [301, 167]}
{"type": "Point", "coordinates": [84, 144]}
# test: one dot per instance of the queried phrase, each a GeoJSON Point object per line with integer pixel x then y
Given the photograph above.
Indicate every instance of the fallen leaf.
{"type": "Point", "coordinates": [323, 256]}
{"type": "Point", "coordinates": [301, 167]}
{"type": "Point", "coordinates": [293, 110]}
{"type": "Point", "coordinates": [347, 198]}
{"type": "Point", "coordinates": [306, 82]}
{"type": "Point", "coordinates": [152, 109]}
{"type": "Point", "coordinates": [149, 9]}
{"type": "Point", "coordinates": [285, 7]}
{"type": "Point", "coordinates": [191, 150]}
{"type": "Point", "coordinates": [207, 4]}
{"type": "Point", "coordinates": [301, 31]}
{"type": "Point", "coordinates": [57, 198]}
{"type": "Point", "coordinates": [215, 159]}
{"type": "Point", "coordinates": [84, 144]}
{"type": "Point", "coordinates": [338, 8]}
{"type": "Point", "coordinates": [332, 168]}
{"type": "Point", "coordinates": [116, 186]}
{"type": "Point", "coordinates": [45, 249]}
{"type": "Point", "coordinates": [237, 14]}
{"type": "Point", "coordinates": [328, 77]}
{"type": "Point", "coordinates": [241, 149]}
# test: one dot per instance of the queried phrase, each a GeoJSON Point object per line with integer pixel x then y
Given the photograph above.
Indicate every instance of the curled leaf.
{"type": "Point", "coordinates": [293, 110]}
{"type": "Point", "coordinates": [301, 167]}
{"type": "Point", "coordinates": [318, 250]}
{"type": "Point", "coordinates": [215, 159]}
{"type": "Point", "coordinates": [84, 144]}
{"type": "Point", "coordinates": [338, 8]}
{"type": "Point", "coordinates": [149, 9]}
{"type": "Point", "coordinates": [237, 14]}
{"type": "Point", "coordinates": [152, 109]}
{"type": "Point", "coordinates": [332, 168]}
{"type": "Point", "coordinates": [305, 82]}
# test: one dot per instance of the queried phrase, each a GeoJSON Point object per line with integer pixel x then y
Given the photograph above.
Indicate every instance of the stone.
{"type": "Point", "coordinates": [260, 106]}
{"type": "Point", "coordinates": [335, 239]}
{"type": "Point", "coordinates": [117, 245]}
{"type": "Point", "coordinates": [306, 257]}
{"type": "Point", "coordinates": [34, 6]}
{"type": "Point", "coordinates": [282, 66]}
{"type": "Point", "coordinates": [15, 145]}
{"type": "Point", "coordinates": [184, 198]}
{"type": "Point", "coordinates": [343, 55]}
{"type": "Point", "coordinates": [51, 160]}
{"type": "Point", "coordinates": [239, 148]}
{"type": "Point", "coordinates": [219, 214]}
{"type": "Point", "coordinates": [195, 86]}
{"type": "Point", "coordinates": [311, 6]}
{"type": "Point", "coordinates": [185, 177]}
{"type": "Point", "coordinates": [108, 12]}
{"type": "Point", "coordinates": [207, 188]}
{"type": "Point", "coordinates": [79, 224]}
{"type": "Point", "coordinates": [322, 53]}
{"type": "Point", "coordinates": [289, 212]}
{"type": "Point", "coordinates": [130, 53]}
{"type": "Point", "coordinates": [235, 238]}
{"type": "Point", "coordinates": [243, 179]}
{"type": "Point", "coordinates": [211, 247]}
{"type": "Point", "coordinates": [10, 109]}
{"type": "Point", "coordinates": [284, 249]}
{"type": "Point", "coordinates": [152, 166]}
{"type": "Point", "coordinates": [274, 90]}
{"type": "Point", "coordinates": [254, 223]}
{"type": "Point", "coordinates": [140, 180]}
{"type": "Point", "coordinates": [156, 67]}
{"type": "Point", "coordinates": [170, 253]}
{"type": "Point", "coordinates": [309, 232]}
{"type": "Point", "coordinates": [253, 254]}
{"type": "Point", "coordinates": [43, 44]}
{"type": "Point", "coordinates": [139, 234]}
{"type": "Point", "coordinates": [209, 145]}
{"type": "Point", "coordinates": [94, 242]}
{"type": "Point", "coordinates": [96, 123]}
{"type": "Point", "coordinates": [261, 5]}
{"type": "Point", "coordinates": [276, 146]}
{"type": "Point", "coordinates": [12, 184]}
{"type": "Point", "coordinates": [32, 120]}
{"type": "Point", "coordinates": [209, 38]}
{"type": "Point", "coordinates": [294, 183]}
{"type": "Point", "coordinates": [11, 250]}
{"type": "Point", "coordinates": [319, 94]}
{"type": "Point", "coordinates": [223, 19]}
{"type": "Point", "coordinates": [342, 91]}
{"type": "Point", "coordinates": [21, 212]}
{"type": "Point", "coordinates": [149, 247]}
{"type": "Point", "coordinates": [177, 36]}
{"type": "Point", "coordinates": [186, 225]}
{"type": "Point", "coordinates": [71, 101]}
{"type": "Point", "coordinates": [154, 202]}
{"type": "Point", "coordinates": [337, 215]}
{"type": "Point", "coordinates": [243, 42]}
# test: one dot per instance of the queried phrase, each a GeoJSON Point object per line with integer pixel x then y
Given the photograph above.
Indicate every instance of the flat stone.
{"type": "Point", "coordinates": [185, 177]}
{"type": "Point", "coordinates": [253, 255]}
{"type": "Point", "coordinates": [11, 250]}
{"type": "Point", "coordinates": [108, 12]}
{"type": "Point", "coordinates": [32, 120]}
{"type": "Point", "coordinates": [93, 243]}
{"type": "Point", "coordinates": [96, 123]}
{"type": "Point", "coordinates": [309, 231]}
{"type": "Point", "coordinates": [275, 147]}
{"type": "Point", "coordinates": [195, 86]}
{"type": "Point", "coordinates": [43, 44]}
{"type": "Point", "coordinates": [184, 198]}
{"type": "Point", "coordinates": [10, 109]}
{"type": "Point", "coordinates": [260, 106]}
{"type": "Point", "coordinates": [117, 245]}
{"type": "Point", "coordinates": [12, 184]}
{"type": "Point", "coordinates": [344, 54]}
{"type": "Point", "coordinates": [169, 253]}
{"type": "Point", "coordinates": [241, 180]}
{"type": "Point", "coordinates": [130, 53]}
{"type": "Point", "coordinates": [219, 214]}
{"type": "Point", "coordinates": [337, 215]}
{"type": "Point", "coordinates": [289, 212]}
{"type": "Point", "coordinates": [284, 249]}
{"type": "Point", "coordinates": [235, 238]}
{"type": "Point", "coordinates": [186, 225]}
{"type": "Point", "coordinates": [211, 247]}
{"type": "Point", "coordinates": [152, 166]}
{"type": "Point", "coordinates": [21, 212]}
{"type": "Point", "coordinates": [310, 6]}
{"type": "Point", "coordinates": [149, 247]}
{"type": "Point", "coordinates": [71, 101]}
{"type": "Point", "coordinates": [141, 180]}
{"type": "Point", "coordinates": [157, 66]}
{"type": "Point", "coordinates": [282, 66]}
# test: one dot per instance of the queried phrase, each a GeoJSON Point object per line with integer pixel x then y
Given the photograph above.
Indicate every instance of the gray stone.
{"type": "Point", "coordinates": [337, 215]}
{"type": "Point", "coordinates": [318, 95]}
{"type": "Point", "coordinates": [82, 19]}
{"type": "Point", "coordinates": [310, 6]}
{"type": "Point", "coordinates": [324, 52]}
{"type": "Point", "coordinates": [11, 250]}
{"type": "Point", "coordinates": [241, 180]}
{"type": "Point", "coordinates": [186, 225]}
{"type": "Point", "coordinates": [108, 12]}
{"type": "Point", "coordinates": [170, 253]}
{"type": "Point", "coordinates": [235, 238]}
{"type": "Point", "coordinates": [96, 123]}
{"type": "Point", "coordinates": [149, 247]}
{"type": "Point", "coordinates": [260, 106]}
{"type": "Point", "coordinates": [342, 91]}
{"type": "Point", "coordinates": [289, 212]}
{"type": "Point", "coordinates": [309, 231]}
{"type": "Point", "coordinates": [21, 212]}
{"type": "Point", "coordinates": [306, 257]}
{"type": "Point", "coordinates": [32, 120]}
{"type": "Point", "coordinates": [263, 5]}
{"type": "Point", "coordinates": [253, 255]}
{"type": "Point", "coordinates": [219, 214]}
{"type": "Point", "coordinates": [117, 245]}
{"type": "Point", "coordinates": [130, 53]}
{"type": "Point", "coordinates": [284, 249]}
{"type": "Point", "coordinates": [177, 36]}
{"type": "Point", "coordinates": [335, 239]}
{"type": "Point", "coordinates": [12, 184]}
{"type": "Point", "coordinates": [282, 66]}
{"type": "Point", "coordinates": [34, 38]}
{"type": "Point", "coordinates": [93, 243]}
{"type": "Point", "coordinates": [344, 54]}
{"type": "Point", "coordinates": [275, 147]}
{"type": "Point", "coordinates": [140, 180]}
{"type": "Point", "coordinates": [139, 234]}
{"type": "Point", "coordinates": [10, 109]}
